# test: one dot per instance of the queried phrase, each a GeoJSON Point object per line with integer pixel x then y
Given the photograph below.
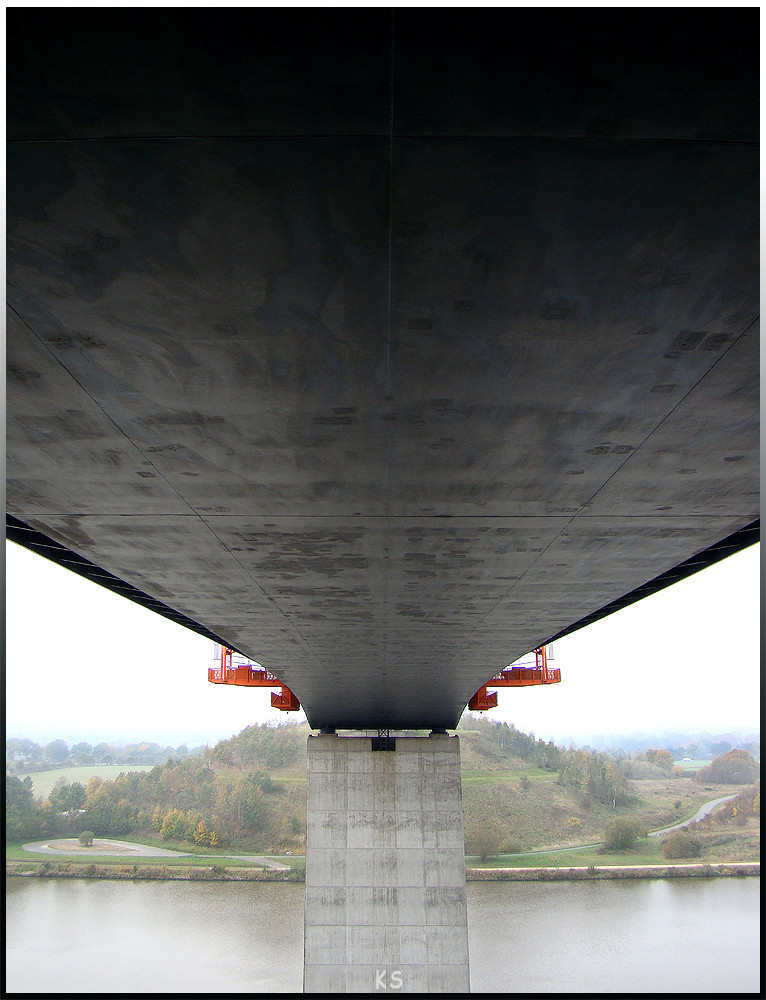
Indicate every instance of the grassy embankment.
{"type": "Point", "coordinates": [551, 827]}
{"type": "Point", "coordinates": [532, 811]}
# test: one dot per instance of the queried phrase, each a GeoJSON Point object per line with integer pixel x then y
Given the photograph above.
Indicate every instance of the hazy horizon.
{"type": "Point", "coordinates": [669, 735]}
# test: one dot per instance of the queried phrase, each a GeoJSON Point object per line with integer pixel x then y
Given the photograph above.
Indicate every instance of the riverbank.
{"type": "Point", "coordinates": [219, 873]}
{"type": "Point", "coordinates": [153, 872]}
{"type": "Point", "coordinates": [723, 870]}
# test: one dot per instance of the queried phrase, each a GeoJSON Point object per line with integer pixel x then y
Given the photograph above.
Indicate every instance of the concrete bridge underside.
{"type": "Point", "coordinates": [382, 347]}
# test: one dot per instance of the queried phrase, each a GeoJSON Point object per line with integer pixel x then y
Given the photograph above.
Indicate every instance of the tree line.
{"type": "Point", "coordinates": [24, 755]}
{"type": "Point", "coordinates": [594, 774]}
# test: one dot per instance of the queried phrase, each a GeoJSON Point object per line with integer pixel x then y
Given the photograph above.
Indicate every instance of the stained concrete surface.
{"type": "Point", "coordinates": [385, 867]}
{"type": "Point", "coordinates": [387, 350]}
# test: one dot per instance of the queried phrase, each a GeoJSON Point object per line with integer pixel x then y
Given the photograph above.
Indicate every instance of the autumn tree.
{"type": "Point", "coordinates": [661, 759]}
{"type": "Point", "coordinates": [173, 825]}
{"type": "Point", "coordinates": [743, 806]}
{"type": "Point", "coordinates": [596, 776]}
{"type": "Point", "coordinates": [681, 845]}
{"type": "Point", "coordinates": [106, 814]}
{"type": "Point", "coordinates": [620, 834]}
{"type": "Point", "coordinates": [202, 834]}
{"type": "Point", "coordinates": [68, 797]}
{"type": "Point", "coordinates": [737, 767]}
{"type": "Point", "coordinates": [484, 838]}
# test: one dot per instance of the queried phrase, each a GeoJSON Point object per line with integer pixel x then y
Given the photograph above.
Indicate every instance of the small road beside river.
{"type": "Point", "coordinates": [102, 847]}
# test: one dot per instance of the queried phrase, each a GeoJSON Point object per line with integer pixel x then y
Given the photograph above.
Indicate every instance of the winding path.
{"type": "Point", "coordinates": [704, 810]}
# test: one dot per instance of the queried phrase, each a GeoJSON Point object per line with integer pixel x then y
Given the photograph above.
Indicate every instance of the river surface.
{"type": "Point", "coordinates": [692, 935]}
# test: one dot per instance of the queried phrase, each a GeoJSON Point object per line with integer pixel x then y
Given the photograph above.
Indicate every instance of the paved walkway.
{"type": "Point", "coordinates": [112, 847]}
{"type": "Point", "coordinates": [703, 811]}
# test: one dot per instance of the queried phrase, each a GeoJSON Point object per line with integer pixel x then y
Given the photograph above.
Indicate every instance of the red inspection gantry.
{"type": "Point", "coordinates": [247, 675]}
{"type": "Point", "coordinates": [516, 676]}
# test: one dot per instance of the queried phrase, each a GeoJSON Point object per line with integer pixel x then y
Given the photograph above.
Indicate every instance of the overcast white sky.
{"type": "Point", "coordinates": [82, 663]}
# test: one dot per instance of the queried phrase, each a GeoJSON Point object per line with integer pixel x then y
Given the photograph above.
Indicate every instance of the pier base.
{"type": "Point", "coordinates": [385, 866]}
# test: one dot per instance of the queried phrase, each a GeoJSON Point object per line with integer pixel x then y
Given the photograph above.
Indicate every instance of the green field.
{"type": "Point", "coordinates": [647, 851]}
{"type": "Point", "coordinates": [43, 781]}
{"type": "Point", "coordinates": [692, 765]}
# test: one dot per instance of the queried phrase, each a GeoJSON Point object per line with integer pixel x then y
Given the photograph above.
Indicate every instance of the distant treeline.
{"type": "Point", "coordinates": [23, 756]}
{"type": "Point", "coordinates": [698, 746]}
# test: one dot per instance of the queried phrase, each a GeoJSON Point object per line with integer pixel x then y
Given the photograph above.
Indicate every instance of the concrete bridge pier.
{"type": "Point", "coordinates": [385, 866]}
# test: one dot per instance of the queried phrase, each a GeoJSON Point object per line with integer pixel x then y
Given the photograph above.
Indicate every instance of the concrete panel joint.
{"type": "Point", "coordinates": [385, 867]}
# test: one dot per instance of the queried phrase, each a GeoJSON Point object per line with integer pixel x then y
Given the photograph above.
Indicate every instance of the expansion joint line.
{"type": "Point", "coordinates": [389, 308]}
